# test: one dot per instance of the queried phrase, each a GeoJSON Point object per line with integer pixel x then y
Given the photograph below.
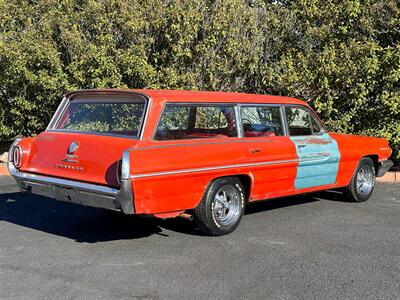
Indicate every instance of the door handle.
{"type": "Point", "coordinates": [254, 151]}
{"type": "Point", "coordinates": [301, 146]}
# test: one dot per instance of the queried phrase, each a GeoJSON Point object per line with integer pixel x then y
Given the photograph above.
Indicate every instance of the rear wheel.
{"type": "Point", "coordinates": [363, 181]}
{"type": "Point", "coordinates": [222, 206]}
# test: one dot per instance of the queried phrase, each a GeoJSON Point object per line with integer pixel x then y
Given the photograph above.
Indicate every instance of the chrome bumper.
{"type": "Point", "coordinates": [75, 191]}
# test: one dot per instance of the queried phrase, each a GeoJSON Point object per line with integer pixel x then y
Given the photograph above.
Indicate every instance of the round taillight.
{"type": "Point", "coordinates": [17, 156]}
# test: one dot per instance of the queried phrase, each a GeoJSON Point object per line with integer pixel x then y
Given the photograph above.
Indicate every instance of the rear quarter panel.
{"type": "Point", "coordinates": [161, 171]}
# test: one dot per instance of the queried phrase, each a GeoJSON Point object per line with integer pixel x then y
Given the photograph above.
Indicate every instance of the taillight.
{"type": "Point", "coordinates": [17, 156]}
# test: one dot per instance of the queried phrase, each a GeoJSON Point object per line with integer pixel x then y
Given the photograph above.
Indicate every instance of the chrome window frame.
{"type": "Point", "coordinates": [310, 114]}
{"type": "Point", "coordinates": [58, 113]}
{"type": "Point", "coordinates": [66, 101]}
{"type": "Point", "coordinates": [201, 104]}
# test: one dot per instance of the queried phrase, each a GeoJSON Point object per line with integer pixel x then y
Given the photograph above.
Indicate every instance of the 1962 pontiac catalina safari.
{"type": "Point", "coordinates": [185, 153]}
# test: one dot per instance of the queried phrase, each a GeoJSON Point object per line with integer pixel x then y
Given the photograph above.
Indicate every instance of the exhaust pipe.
{"type": "Point", "coordinates": [186, 216]}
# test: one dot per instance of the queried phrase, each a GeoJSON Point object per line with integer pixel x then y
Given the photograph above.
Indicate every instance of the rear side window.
{"type": "Point", "coordinates": [117, 117]}
{"type": "Point", "coordinates": [196, 121]}
{"type": "Point", "coordinates": [302, 122]}
{"type": "Point", "coordinates": [261, 121]}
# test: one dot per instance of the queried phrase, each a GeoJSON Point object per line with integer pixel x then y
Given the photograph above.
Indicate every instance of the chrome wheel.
{"type": "Point", "coordinates": [227, 205]}
{"type": "Point", "coordinates": [365, 180]}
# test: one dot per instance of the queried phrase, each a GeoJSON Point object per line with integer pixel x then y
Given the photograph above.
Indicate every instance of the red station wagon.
{"type": "Point", "coordinates": [191, 154]}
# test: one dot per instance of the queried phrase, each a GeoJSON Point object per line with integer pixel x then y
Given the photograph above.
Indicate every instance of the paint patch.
{"type": "Point", "coordinates": [319, 158]}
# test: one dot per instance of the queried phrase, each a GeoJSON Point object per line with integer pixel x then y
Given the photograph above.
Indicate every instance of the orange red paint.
{"type": "Point", "coordinates": [168, 177]}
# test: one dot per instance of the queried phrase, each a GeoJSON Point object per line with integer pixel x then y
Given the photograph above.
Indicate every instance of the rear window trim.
{"type": "Point", "coordinates": [139, 136]}
{"type": "Point", "coordinates": [202, 104]}
{"type": "Point", "coordinates": [95, 133]}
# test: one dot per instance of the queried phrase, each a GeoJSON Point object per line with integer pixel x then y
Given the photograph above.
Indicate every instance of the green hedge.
{"type": "Point", "coordinates": [341, 56]}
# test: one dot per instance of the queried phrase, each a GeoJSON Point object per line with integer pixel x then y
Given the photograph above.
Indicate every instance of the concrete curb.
{"type": "Point", "coordinates": [390, 177]}
{"type": "Point", "coordinates": [4, 170]}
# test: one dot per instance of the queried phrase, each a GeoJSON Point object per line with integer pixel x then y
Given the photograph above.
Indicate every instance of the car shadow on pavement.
{"type": "Point", "coordinates": [331, 195]}
{"type": "Point", "coordinates": [265, 205]}
{"type": "Point", "coordinates": [91, 225]}
{"type": "Point", "coordinates": [80, 223]}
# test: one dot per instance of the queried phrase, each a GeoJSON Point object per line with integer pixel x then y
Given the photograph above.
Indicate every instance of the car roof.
{"type": "Point", "coordinates": [193, 96]}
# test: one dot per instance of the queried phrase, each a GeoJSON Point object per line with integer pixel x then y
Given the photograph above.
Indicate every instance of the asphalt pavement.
{"type": "Point", "coordinates": [308, 247]}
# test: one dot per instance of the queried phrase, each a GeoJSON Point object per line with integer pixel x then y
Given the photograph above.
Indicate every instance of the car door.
{"type": "Point", "coordinates": [271, 152]}
{"type": "Point", "coordinates": [193, 144]}
{"type": "Point", "coordinates": [317, 151]}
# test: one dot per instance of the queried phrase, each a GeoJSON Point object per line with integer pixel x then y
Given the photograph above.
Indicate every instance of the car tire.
{"type": "Point", "coordinates": [221, 208]}
{"type": "Point", "coordinates": [363, 182]}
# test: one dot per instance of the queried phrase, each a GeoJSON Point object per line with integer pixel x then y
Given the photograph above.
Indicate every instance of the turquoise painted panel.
{"type": "Point", "coordinates": [319, 158]}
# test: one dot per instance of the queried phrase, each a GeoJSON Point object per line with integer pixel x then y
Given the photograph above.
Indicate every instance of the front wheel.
{"type": "Point", "coordinates": [222, 206]}
{"type": "Point", "coordinates": [363, 182]}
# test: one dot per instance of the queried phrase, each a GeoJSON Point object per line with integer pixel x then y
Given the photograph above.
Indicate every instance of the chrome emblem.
{"type": "Point", "coordinates": [70, 159]}
{"type": "Point", "coordinates": [72, 148]}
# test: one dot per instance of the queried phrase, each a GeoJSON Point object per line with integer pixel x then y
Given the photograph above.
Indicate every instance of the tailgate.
{"type": "Point", "coordinates": [94, 160]}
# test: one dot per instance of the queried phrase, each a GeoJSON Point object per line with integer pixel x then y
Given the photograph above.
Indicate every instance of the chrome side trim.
{"type": "Point", "coordinates": [182, 171]}
{"type": "Point", "coordinates": [225, 141]}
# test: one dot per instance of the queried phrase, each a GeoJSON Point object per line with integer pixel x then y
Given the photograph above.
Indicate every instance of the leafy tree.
{"type": "Point", "coordinates": [342, 56]}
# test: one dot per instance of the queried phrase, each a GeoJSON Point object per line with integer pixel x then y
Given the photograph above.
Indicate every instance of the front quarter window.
{"type": "Point", "coordinates": [301, 122]}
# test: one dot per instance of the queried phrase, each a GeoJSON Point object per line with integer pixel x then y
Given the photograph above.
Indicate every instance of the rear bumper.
{"type": "Point", "coordinates": [75, 191]}
{"type": "Point", "coordinates": [384, 166]}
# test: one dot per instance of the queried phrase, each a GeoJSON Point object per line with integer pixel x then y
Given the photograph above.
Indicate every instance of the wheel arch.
{"type": "Point", "coordinates": [247, 180]}
{"type": "Point", "coordinates": [375, 160]}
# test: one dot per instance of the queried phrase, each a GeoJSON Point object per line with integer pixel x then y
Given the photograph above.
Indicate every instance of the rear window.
{"type": "Point", "coordinates": [119, 116]}
{"type": "Point", "coordinates": [196, 121]}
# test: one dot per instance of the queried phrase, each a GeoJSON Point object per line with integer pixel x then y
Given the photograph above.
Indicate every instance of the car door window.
{"type": "Point", "coordinates": [260, 121]}
{"type": "Point", "coordinates": [301, 122]}
{"type": "Point", "coordinates": [315, 125]}
{"type": "Point", "coordinates": [180, 121]}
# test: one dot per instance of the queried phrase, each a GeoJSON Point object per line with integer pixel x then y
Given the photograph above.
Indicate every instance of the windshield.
{"type": "Point", "coordinates": [116, 115]}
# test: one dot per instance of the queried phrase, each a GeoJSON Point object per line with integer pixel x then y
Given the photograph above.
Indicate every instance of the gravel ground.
{"type": "Point", "coordinates": [308, 247]}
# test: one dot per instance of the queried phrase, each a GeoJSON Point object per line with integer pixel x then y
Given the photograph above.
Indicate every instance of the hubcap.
{"type": "Point", "coordinates": [227, 203]}
{"type": "Point", "coordinates": [365, 180]}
